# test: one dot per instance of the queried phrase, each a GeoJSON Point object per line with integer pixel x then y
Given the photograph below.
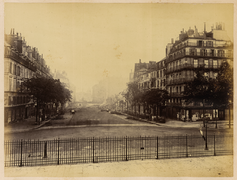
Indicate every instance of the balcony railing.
{"type": "Point", "coordinates": [175, 94]}
{"type": "Point", "coordinates": [193, 44]}
{"type": "Point", "coordinates": [200, 54]}
{"type": "Point", "coordinates": [179, 80]}
{"type": "Point", "coordinates": [27, 63]}
{"type": "Point", "coordinates": [183, 66]}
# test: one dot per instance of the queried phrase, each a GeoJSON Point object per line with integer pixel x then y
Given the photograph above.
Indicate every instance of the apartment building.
{"type": "Point", "coordinates": [191, 50]}
{"type": "Point", "coordinates": [20, 62]}
{"type": "Point", "coordinates": [194, 49]}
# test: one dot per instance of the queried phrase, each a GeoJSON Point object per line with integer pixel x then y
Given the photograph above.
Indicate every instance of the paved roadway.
{"type": "Point", "coordinates": [91, 122]}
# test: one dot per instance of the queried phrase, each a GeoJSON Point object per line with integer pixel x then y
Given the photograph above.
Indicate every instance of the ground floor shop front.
{"type": "Point", "coordinates": [196, 113]}
{"type": "Point", "coordinates": [18, 113]}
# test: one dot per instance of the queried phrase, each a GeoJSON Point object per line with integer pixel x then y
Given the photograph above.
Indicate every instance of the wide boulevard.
{"type": "Point", "coordinates": [92, 122]}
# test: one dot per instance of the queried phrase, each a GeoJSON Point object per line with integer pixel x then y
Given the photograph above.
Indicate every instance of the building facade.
{"type": "Point", "coordinates": [20, 62]}
{"type": "Point", "coordinates": [192, 50]}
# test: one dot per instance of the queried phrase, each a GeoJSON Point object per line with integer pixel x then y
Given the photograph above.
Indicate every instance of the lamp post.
{"type": "Point", "coordinates": [206, 148]}
{"type": "Point", "coordinates": [215, 117]}
{"type": "Point", "coordinates": [229, 114]}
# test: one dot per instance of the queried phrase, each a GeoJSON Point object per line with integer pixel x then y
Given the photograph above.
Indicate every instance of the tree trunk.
{"type": "Point", "coordinates": [139, 108]}
{"type": "Point", "coordinates": [135, 109]}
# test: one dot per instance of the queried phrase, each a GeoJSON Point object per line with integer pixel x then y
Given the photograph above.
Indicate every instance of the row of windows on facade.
{"type": "Point", "coordinates": [176, 89]}
{"type": "Point", "coordinates": [202, 52]}
{"type": "Point", "coordinates": [160, 64]}
{"type": "Point", "coordinates": [15, 85]}
{"type": "Point", "coordinates": [190, 74]}
{"type": "Point", "coordinates": [193, 62]}
{"type": "Point", "coordinates": [149, 84]}
{"type": "Point", "coordinates": [16, 100]}
{"type": "Point", "coordinates": [17, 70]}
{"type": "Point", "coordinates": [154, 74]}
{"type": "Point", "coordinates": [201, 43]}
{"type": "Point", "coordinates": [39, 63]}
{"type": "Point", "coordinates": [175, 100]}
{"type": "Point", "coordinates": [208, 63]}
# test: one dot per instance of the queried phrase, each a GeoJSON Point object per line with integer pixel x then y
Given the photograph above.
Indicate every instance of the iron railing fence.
{"type": "Point", "coordinates": [89, 150]}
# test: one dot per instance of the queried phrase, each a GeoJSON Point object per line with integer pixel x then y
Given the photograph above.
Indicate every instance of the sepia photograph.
{"type": "Point", "coordinates": [118, 89]}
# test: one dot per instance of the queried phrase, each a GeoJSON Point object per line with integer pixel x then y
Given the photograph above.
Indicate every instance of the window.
{"type": "Point", "coordinates": [209, 43]}
{"type": "Point", "coordinates": [10, 84]}
{"type": "Point", "coordinates": [10, 70]}
{"type": "Point", "coordinates": [212, 52]}
{"type": "Point", "coordinates": [195, 63]}
{"type": "Point", "coordinates": [193, 52]}
{"type": "Point", "coordinates": [214, 63]}
{"type": "Point", "coordinates": [200, 43]}
{"type": "Point", "coordinates": [9, 100]}
{"type": "Point", "coordinates": [206, 63]}
{"type": "Point", "coordinates": [203, 52]}
{"type": "Point", "coordinates": [18, 71]}
{"type": "Point", "coordinates": [221, 53]}
{"type": "Point", "coordinates": [14, 70]}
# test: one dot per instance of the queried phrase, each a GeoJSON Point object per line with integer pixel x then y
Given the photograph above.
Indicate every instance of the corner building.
{"type": "Point", "coordinates": [194, 49]}
{"type": "Point", "coordinates": [20, 62]}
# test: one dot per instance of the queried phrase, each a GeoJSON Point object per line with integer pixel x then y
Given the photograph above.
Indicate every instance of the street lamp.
{"type": "Point", "coordinates": [229, 113]}
{"type": "Point", "coordinates": [206, 120]}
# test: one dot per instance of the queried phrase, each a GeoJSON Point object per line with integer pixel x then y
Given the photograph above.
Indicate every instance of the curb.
{"type": "Point", "coordinates": [41, 125]}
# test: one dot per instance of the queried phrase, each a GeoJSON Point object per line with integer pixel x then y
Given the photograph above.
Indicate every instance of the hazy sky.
{"type": "Point", "coordinates": [92, 41]}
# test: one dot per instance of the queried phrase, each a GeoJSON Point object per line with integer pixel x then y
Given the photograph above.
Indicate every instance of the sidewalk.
{"type": "Point", "coordinates": [214, 166]}
{"type": "Point", "coordinates": [29, 124]}
{"type": "Point", "coordinates": [222, 124]}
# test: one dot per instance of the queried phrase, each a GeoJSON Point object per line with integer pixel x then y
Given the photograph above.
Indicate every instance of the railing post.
{"type": "Point", "coordinates": [214, 145]}
{"type": "Point", "coordinates": [93, 150]}
{"type": "Point", "coordinates": [157, 146]}
{"type": "Point", "coordinates": [186, 145]}
{"type": "Point", "coordinates": [126, 149]}
{"type": "Point", "coordinates": [21, 164]}
{"type": "Point", "coordinates": [206, 148]}
{"type": "Point", "coordinates": [58, 151]}
{"type": "Point", "coordinates": [45, 149]}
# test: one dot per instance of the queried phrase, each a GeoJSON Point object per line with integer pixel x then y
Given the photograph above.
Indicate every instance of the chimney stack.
{"type": "Point", "coordinates": [140, 61]}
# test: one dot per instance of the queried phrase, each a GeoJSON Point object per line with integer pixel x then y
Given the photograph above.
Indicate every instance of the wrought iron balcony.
{"type": "Point", "coordinates": [24, 61]}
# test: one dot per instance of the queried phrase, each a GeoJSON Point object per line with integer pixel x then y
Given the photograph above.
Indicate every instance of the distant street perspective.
{"type": "Point", "coordinates": [108, 83]}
